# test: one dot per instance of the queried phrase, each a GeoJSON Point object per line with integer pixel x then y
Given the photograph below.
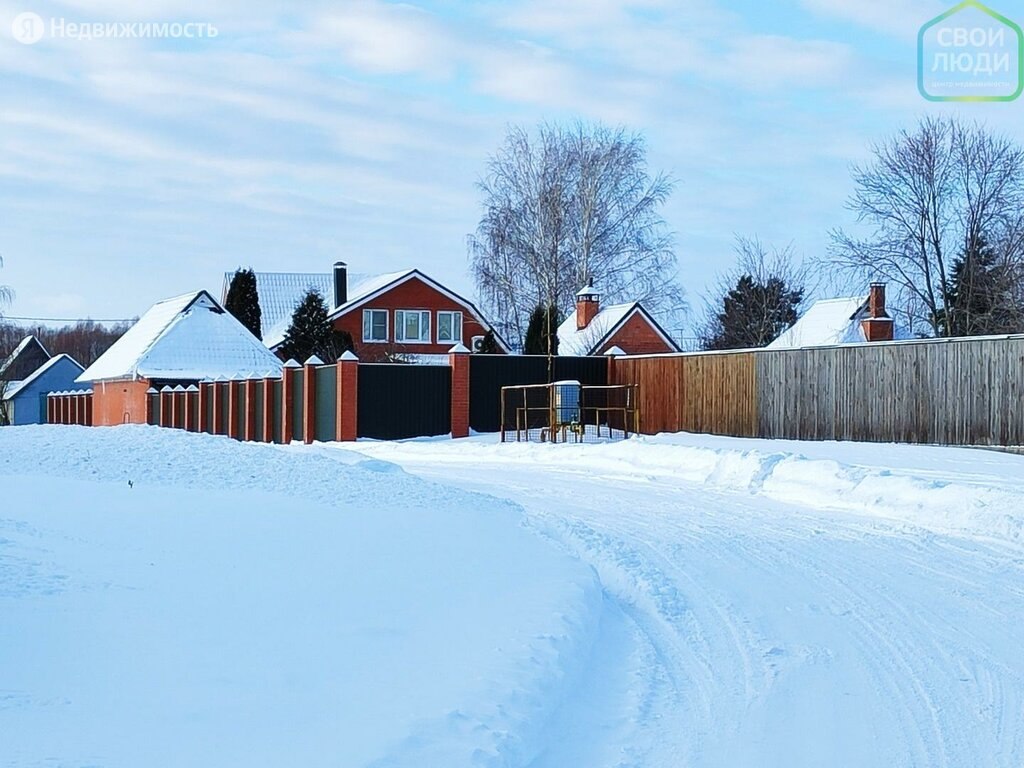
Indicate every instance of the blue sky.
{"type": "Point", "coordinates": [132, 169]}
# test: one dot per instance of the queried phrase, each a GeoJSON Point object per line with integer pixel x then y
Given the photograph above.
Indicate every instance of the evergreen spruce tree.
{"type": "Point", "coordinates": [754, 314]}
{"type": "Point", "coordinates": [310, 332]}
{"type": "Point", "coordinates": [542, 331]}
{"type": "Point", "coordinates": [977, 299]}
{"type": "Point", "coordinates": [243, 301]}
{"type": "Point", "coordinates": [489, 345]}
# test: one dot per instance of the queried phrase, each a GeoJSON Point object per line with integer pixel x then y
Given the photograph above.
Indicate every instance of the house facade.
{"type": "Point", "coordinates": [398, 315]}
{"type": "Point", "coordinates": [23, 360]}
{"type": "Point", "coordinates": [593, 329]}
{"type": "Point", "coordinates": [178, 341]}
{"type": "Point", "coordinates": [25, 402]}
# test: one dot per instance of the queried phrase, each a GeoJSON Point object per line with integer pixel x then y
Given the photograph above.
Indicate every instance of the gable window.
{"type": "Point", "coordinates": [449, 327]}
{"type": "Point", "coordinates": [412, 326]}
{"type": "Point", "coordinates": [375, 325]}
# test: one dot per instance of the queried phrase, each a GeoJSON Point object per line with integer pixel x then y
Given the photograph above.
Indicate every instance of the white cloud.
{"type": "Point", "coordinates": [902, 19]}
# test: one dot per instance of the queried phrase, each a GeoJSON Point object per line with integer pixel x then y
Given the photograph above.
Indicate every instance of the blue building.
{"type": "Point", "coordinates": [24, 402]}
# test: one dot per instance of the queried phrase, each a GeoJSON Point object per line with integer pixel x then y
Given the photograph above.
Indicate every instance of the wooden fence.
{"type": "Point", "coordinates": [946, 391]}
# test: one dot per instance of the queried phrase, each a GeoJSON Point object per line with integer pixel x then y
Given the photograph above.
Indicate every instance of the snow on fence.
{"type": "Point", "coordinates": [967, 391]}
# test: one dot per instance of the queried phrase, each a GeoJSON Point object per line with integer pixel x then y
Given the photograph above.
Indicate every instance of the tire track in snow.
{"type": "Point", "coordinates": [755, 605]}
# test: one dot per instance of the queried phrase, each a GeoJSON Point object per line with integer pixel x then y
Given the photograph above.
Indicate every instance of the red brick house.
{"type": "Point", "coordinates": [622, 328]}
{"type": "Point", "coordinates": [405, 314]}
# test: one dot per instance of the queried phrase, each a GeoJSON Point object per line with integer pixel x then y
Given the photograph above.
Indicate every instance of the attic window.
{"type": "Point", "coordinates": [412, 326]}
{"type": "Point", "coordinates": [375, 325]}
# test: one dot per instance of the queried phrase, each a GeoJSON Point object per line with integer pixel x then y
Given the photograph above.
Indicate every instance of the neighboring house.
{"type": "Point", "coordinates": [26, 358]}
{"type": "Point", "coordinates": [595, 330]}
{"type": "Point", "coordinates": [181, 340]}
{"type": "Point", "coordinates": [25, 402]}
{"type": "Point", "coordinates": [404, 314]}
{"type": "Point", "coordinates": [853, 320]}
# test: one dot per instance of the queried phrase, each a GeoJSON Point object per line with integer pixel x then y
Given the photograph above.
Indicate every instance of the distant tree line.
{"type": "Point", "coordinates": [84, 340]}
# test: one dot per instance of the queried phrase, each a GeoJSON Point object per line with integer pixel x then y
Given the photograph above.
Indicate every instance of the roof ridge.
{"type": "Point", "coordinates": [167, 326]}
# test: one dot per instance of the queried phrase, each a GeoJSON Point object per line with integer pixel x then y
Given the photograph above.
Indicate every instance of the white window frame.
{"type": "Point", "coordinates": [387, 329]}
{"type": "Point", "coordinates": [456, 315]}
{"type": "Point", "coordinates": [424, 337]}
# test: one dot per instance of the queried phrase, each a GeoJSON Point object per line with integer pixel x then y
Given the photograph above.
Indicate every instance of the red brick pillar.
{"type": "Point", "coordinates": [458, 359]}
{"type": "Point", "coordinates": [347, 398]}
{"type": "Point", "coordinates": [217, 398]}
{"type": "Point", "coordinates": [288, 401]}
{"type": "Point", "coordinates": [49, 408]}
{"type": "Point", "coordinates": [309, 399]}
{"type": "Point", "coordinates": [268, 409]}
{"type": "Point", "coordinates": [234, 406]}
{"type": "Point", "coordinates": [64, 408]}
{"type": "Point", "coordinates": [165, 406]}
{"type": "Point", "coordinates": [191, 397]}
{"type": "Point", "coordinates": [249, 432]}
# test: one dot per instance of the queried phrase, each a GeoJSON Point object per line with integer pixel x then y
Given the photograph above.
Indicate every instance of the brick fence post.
{"type": "Point", "coordinates": [268, 407]}
{"type": "Point", "coordinates": [288, 401]}
{"type": "Point", "coordinates": [191, 398]}
{"type": "Point", "coordinates": [309, 398]}
{"type": "Point", "coordinates": [458, 359]}
{"type": "Point", "coordinates": [347, 398]}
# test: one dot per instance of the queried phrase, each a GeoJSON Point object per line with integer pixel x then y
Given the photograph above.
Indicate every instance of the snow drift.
{"type": "Point", "coordinates": [240, 604]}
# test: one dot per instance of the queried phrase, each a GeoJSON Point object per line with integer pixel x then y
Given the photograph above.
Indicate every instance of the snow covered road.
{"type": "Point", "coordinates": [765, 632]}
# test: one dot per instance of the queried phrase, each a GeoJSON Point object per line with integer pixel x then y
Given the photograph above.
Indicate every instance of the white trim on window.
{"type": "Point", "coordinates": [455, 325]}
{"type": "Point", "coordinates": [368, 323]}
{"type": "Point", "coordinates": [422, 322]}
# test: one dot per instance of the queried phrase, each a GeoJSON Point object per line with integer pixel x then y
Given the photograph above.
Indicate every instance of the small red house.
{"type": "Point", "coordinates": [594, 330]}
{"type": "Point", "coordinates": [404, 314]}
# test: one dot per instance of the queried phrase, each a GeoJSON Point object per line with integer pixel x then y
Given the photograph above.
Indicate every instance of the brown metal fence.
{"type": "Point", "coordinates": [947, 391]}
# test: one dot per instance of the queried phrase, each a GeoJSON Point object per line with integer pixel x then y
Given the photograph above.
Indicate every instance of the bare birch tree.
{"type": "Point", "coordinates": [565, 205]}
{"type": "Point", "coordinates": [925, 198]}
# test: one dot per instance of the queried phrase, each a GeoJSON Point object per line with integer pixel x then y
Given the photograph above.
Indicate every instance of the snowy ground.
{"type": "Point", "coordinates": [666, 601]}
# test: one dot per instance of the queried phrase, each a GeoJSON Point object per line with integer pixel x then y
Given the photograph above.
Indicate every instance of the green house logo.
{"type": "Point", "coordinates": [970, 53]}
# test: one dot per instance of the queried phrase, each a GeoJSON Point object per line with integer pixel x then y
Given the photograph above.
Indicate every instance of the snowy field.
{"type": "Point", "coordinates": [671, 601]}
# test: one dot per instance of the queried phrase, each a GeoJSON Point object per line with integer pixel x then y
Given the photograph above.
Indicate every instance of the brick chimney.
{"type": "Point", "coordinates": [340, 283]}
{"type": "Point", "coordinates": [877, 326]}
{"type": "Point", "coordinates": [588, 304]}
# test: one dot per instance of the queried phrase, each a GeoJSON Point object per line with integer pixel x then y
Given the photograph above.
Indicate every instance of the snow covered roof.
{"type": "Point", "coordinates": [185, 337]}
{"type": "Point", "coordinates": [608, 320]}
{"type": "Point", "coordinates": [281, 292]}
{"type": "Point", "coordinates": [23, 347]}
{"type": "Point", "coordinates": [830, 322]}
{"type": "Point", "coordinates": [16, 387]}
